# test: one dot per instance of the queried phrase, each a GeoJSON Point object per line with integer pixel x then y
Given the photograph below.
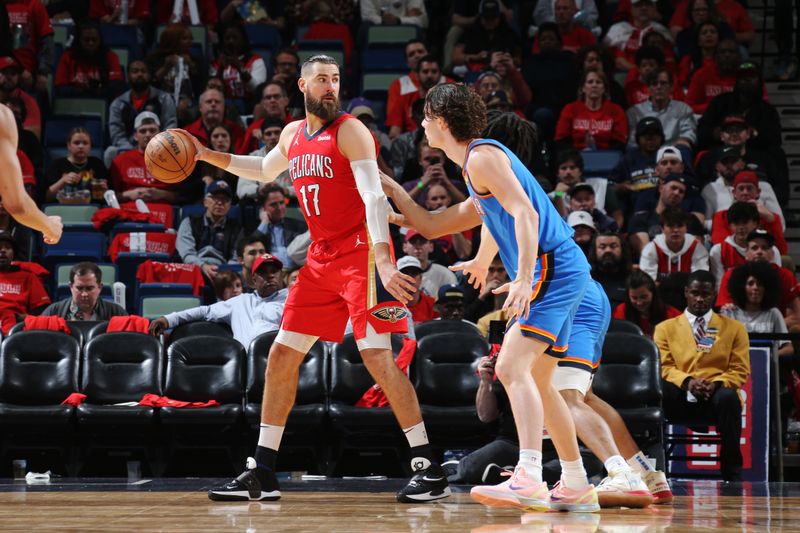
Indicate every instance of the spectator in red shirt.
{"type": "Point", "coordinates": [10, 72]}
{"type": "Point", "coordinates": [129, 175]}
{"type": "Point", "coordinates": [21, 291]}
{"type": "Point", "coordinates": [573, 36]}
{"type": "Point", "coordinates": [409, 83]}
{"type": "Point", "coordinates": [701, 54]}
{"type": "Point", "coordinates": [592, 122]}
{"type": "Point", "coordinates": [643, 306]}
{"type": "Point", "coordinates": [30, 28]}
{"type": "Point", "coordinates": [699, 12]}
{"type": "Point", "coordinates": [626, 37]}
{"type": "Point", "coordinates": [716, 78]}
{"type": "Point", "coordinates": [89, 67]}
{"type": "Point", "coordinates": [110, 11]}
{"type": "Point", "coordinates": [731, 11]}
{"type": "Point", "coordinates": [398, 118]}
{"type": "Point", "coordinates": [241, 70]}
{"type": "Point", "coordinates": [274, 105]}
{"type": "Point", "coordinates": [421, 305]}
{"type": "Point", "coordinates": [648, 60]}
{"type": "Point", "coordinates": [212, 113]}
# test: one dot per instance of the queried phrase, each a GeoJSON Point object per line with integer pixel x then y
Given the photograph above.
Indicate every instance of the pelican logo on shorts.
{"type": "Point", "coordinates": [390, 313]}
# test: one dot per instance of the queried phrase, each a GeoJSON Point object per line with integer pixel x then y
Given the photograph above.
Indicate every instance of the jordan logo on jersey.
{"type": "Point", "coordinates": [359, 241]}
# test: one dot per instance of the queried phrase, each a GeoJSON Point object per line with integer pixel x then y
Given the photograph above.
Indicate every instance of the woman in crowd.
{"type": "Point", "coordinates": [227, 284]}
{"type": "Point", "coordinates": [644, 306]}
{"type": "Point", "coordinates": [78, 171]}
{"type": "Point", "coordinates": [89, 67]}
{"type": "Point", "coordinates": [241, 70]}
{"type": "Point", "coordinates": [701, 54]}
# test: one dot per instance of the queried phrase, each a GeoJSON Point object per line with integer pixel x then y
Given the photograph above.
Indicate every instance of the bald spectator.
{"type": "Point", "coordinates": [212, 114]}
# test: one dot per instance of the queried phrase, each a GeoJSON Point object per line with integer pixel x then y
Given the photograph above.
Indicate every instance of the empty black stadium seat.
{"type": "Point", "coordinates": [189, 329]}
{"type": "Point", "coordinates": [624, 326]}
{"type": "Point", "coordinates": [457, 327]}
{"type": "Point", "coordinates": [76, 332]}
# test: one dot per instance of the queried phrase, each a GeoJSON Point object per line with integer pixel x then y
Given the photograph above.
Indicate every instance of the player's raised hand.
{"type": "Point", "coordinates": [397, 284]}
{"type": "Point", "coordinates": [475, 273]}
{"type": "Point", "coordinates": [199, 148]}
{"type": "Point", "coordinates": [54, 230]}
{"type": "Point", "coordinates": [518, 301]}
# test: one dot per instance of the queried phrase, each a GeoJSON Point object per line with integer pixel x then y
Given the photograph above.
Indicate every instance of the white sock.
{"type": "Point", "coordinates": [616, 465]}
{"type": "Point", "coordinates": [416, 435]}
{"type": "Point", "coordinates": [640, 463]}
{"type": "Point", "coordinates": [573, 476]}
{"type": "Point", "coordinates": [531, 461]}
{"type": "Point", "coordinates": [270, 436]}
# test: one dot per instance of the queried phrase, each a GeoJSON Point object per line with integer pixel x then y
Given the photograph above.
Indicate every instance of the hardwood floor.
{"type": "Point", "coordinates": [112, 505]}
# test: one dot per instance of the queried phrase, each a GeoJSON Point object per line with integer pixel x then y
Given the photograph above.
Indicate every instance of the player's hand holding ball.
{"type": "Point", "coordinates": [171, 155]}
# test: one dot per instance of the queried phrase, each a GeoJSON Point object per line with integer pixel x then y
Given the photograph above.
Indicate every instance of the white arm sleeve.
{"type": "Point", "coordinates": [369, 186]}
{"type": "Point", "coordinates": [257, 168]}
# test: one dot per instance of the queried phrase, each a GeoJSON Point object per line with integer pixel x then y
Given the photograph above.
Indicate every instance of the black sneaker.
{"type": "Point", "coordinates": [428, 484]}
{"type": "Point", "coordinates": [249, 486]}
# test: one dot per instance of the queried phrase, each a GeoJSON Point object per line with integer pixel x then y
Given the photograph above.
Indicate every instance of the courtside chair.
{"type": "Point", "coordinates": [153, 307]}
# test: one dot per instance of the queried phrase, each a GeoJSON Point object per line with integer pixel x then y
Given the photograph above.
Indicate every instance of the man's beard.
{"type": "Point", "coordinates": [139, 85]}
{"type": "Point", "coordinates": [324, 110]}
{"type": "Point", "coordinates": [609, 263]}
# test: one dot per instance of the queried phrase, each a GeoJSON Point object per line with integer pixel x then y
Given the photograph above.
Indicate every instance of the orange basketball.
{"type": "Point", "coordinates": [169, 157]}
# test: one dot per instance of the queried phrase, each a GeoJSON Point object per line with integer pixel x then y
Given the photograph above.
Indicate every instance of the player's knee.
{"type": "Point", "coordinates": [508, 370]}
{"type": "Point", "coordinates": [573, 398]}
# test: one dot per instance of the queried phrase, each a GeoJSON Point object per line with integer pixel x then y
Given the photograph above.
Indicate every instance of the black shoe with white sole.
{"type": "Point", "coordinates": [254, 484]}
{"type": "Point", "coordinates": [427, 485]}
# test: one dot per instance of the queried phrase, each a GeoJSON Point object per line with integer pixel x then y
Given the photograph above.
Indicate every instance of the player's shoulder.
{"type": "Point", "coordinates": [7, 119]}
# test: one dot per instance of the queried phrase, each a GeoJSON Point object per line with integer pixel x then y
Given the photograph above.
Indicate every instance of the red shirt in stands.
{"type": "Point", "coordinates": [137, 9]}
{"type": "Point", "coordinates": [128, 171]}
{"type": "Point", "coordinates": [400, 113]}
{"type": "Point", "coordinates": [163, 212]}
{"type": "Point", "coordinates": [33, 116]}
{"type": "Point", "coordinates": [423, 310]}
{"type": "Point", "coordinates": [573, 40]}
{"type": "Point", "coordinates": [686, 69]}
{"type": "Point", "coordinates": [71, 71]}
{"type": "Point", "coordinates": [197, 129]}
{"type": "Point", "coordinates": [607, 124]}
{"type": "Point", "coordinates": [720, 229]}
{"type": "Point", "coordinates": [789, 288]}
{"type": "Point", "coordinates": [731, 12]}
{"type": "Point", "coordinates": [637, 91]}
{"type": "Point", "coordinates": [647, 327]}
{"type": "Point", "coordinates": [206, 9]}
{"type": "Point", "coordinates": [32, 18]}
{"type": "Point", "coordinates": [249, 143]}
{"type": "Point", "coordinates": [404, 85]}
{"type": "Point", "coordinates": [235, 86]}
{"type": "Point", "coordinates": [20, 292]}
{"type": "Point", "coordinates": [707, 83]}
{"type": "Point", "coordinates": [158, 272]}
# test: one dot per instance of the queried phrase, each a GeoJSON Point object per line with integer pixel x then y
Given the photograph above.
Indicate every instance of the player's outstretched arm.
{"type": "Point", "coordinates": [15, 199]}
{"type": "Point", "coordinates": [454, 219]}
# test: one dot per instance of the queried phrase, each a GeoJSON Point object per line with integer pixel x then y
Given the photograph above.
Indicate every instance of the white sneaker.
{"type": "Point", "coordinates": [657, 485]}
{"type": "Point", "coordinates": [624, 489]}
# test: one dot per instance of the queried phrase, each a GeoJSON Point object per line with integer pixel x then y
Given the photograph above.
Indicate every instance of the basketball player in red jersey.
{"type": "Point", "coordinates": [331, 158]}
{"type": "Point", "coordinates": [14, 197]}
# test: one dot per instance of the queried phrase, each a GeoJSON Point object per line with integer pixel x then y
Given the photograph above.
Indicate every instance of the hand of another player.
{"type": "Point", "coordinates": [475, 273]}
{"type": "Point", "coordinates": [198, 146]}
{"type": "Point", "coordinates": [158, 326]}
{"type": "Point", "coordinates": [518, 301]}
{"type": "Point", "coordinates": [397, 284]}
{"type": "Point", "coordinates": [54, 230]}
{"type": "Point", "coordinates": [388, 183]}
{"type": "Point", "coordinates": [393, 216]}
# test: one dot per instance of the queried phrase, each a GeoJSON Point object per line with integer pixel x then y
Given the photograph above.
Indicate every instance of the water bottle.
{"type": "Point", "coordinates": [123, 11]}
{"type": "Point", "coordinates": [118, 289]}
{"type": "Point", "coordinates": [17, 36]}
{"type": "Point", "coordinates": [590, 142]}
{"type": "Point", "coordinates": [111, 199]}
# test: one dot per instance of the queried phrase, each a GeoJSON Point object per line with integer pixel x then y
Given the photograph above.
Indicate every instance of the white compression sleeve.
{"type": "Point", "coordinates": [369, 186]}
{"type": "Point", "coordinates": [257, 168]}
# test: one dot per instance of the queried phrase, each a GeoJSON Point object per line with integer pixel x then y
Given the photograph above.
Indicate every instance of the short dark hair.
{"type": "Point", "coordinates": [83, 268]}
{"type": "Point", "coordinates": [741, 212]}
{"type": "Point", "coordinates": [269, 189]}
{"type": "Point", "coordinates": [674, 216]}
{"type": "Point", "coordinates": [701, 276]}
{"type": "Point", "coordinates": [657, 311]}
{"type": "Point", "coordinates": [766, 276]}
{"type": "Point", "coordinates": [247, 241]}
{"type": "Point", "coordinates": [461, 108]}
{"type": "Point", "coordinates": [318, 58]}
{"type": "Point", "coordinates": [569, 155]}
{"type": "Point", "coordinates": [429, 58]}
{"type": "Point", "coordinates": [552, 27]}
{"type": "Point", "coordinates": [649, 52]}
{"type": "Point", "coordinates": [225, 279]}
{"type": "Point", "coordinates": [627, 261]}
{"type": "Point", "coordinates": [653, 77]}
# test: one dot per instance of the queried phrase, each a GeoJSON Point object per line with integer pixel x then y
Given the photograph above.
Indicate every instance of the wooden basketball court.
{"type": "Point", "coordinates": [361, 505]}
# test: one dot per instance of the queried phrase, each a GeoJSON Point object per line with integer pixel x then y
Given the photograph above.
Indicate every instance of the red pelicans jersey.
{"type": "Point", "coordinates": [324, 183]}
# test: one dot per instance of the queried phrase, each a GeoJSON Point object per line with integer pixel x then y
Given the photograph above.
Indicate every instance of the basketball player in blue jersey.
{"type": "Point", "coordinates": [549, 276]}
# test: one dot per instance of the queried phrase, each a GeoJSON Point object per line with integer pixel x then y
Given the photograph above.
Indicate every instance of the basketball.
{"type": "Point", "coordinates": [169, 157]}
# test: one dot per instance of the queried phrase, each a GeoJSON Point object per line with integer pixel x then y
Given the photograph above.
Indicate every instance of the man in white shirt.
{"type": "Point", "coordinates": [249, 314]}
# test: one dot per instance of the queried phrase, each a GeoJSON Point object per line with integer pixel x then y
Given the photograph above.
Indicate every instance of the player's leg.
{"type": "Point", "coordinates": [258, 481]}
{"type": "Point", "coordinates": [655, 480]}
{"type": "Point", "coordinates": [525, 489]}
{"type": "Point", "coordinates": [429, 482]}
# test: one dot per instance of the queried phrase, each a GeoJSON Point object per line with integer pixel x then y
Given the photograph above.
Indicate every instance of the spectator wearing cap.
{"type": "Point", "coordinates": [625, 37]}
{"type": "Point", "coordinates": [248, 314]}
{"type": "Point", "coordinates": [574, 35]}
{"type": "Point", "coordinates": [433, 275]}
{"type": "Point", "coordinates": [273, 107]}
{"type": "Point", "coordinates": [129, 175]}
{"type": "Point", "coordinates": [742, 220]}
{"type": "Point", "coordinates": [760, 248]}
{"type": "Point", "coordinates": [569, 174]}
{"type": "Point", "coordinates": [22, 291]}
{"type": "Point", "coordinates": [583, 225]}
{"type": "Point", "coordinates": [421, 305]}
{"type": "Point", "coordinates": [398, 117]}
{"type": "Point", "coordinates": [669, 160]}
{"type": "Point", "coordinates": [746, 190]}
{"type": "Point", "coordinates": [277, 230]}
{"type": "Point", "coordinates": [212, 114]}
{"type": "Point", "coordinates": [582, 198]}
{"type": "Point", "coordinates": [592, 122]}
{"type": "Point", "coordinates": [451, 303]}
{"type": "Point", "coordinates": [209, 240]}
{"type": "Point", "coordinates": [480, 304]}
{"type": "Point", "coordinates": [677, 120]}
{"type": "Point", "coordinates": [489, 33]}
{"type": "Point", "coordinates": [718, 194]}
{"type": "Point", "coordinates": [735, 132]}
{"type": "Point", "coordinates": [749, 99]}
{"type": "Point", "coordinates": [247, 189]}
{"type": "Point", "coordinates": [85, 303]}
{"type": "Point", "coordinates": [645, 224]}
{"type": "Point", "coordinates": [10, 74]}
{"type": "Point", "coordinates": [672, 250]}
{"type": "Point", "coordinates": [716, 78]}
{"type": "Point", "coordinates": [123, 110]}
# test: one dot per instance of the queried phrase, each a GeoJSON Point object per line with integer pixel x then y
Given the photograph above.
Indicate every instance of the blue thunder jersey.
{"type": "Point", "coordinates": [553, 231]}
{"type": "Point", "coordinates": [589, 329]}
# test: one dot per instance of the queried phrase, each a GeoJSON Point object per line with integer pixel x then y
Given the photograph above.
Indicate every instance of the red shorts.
{"type": "Point", "coordinates": [338, 282]}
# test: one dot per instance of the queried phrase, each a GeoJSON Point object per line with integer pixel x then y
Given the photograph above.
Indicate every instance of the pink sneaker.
{"type": "Point", "coordinates": [577, 501]}
{"type": "Point", "coordinates": [519, 491]}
